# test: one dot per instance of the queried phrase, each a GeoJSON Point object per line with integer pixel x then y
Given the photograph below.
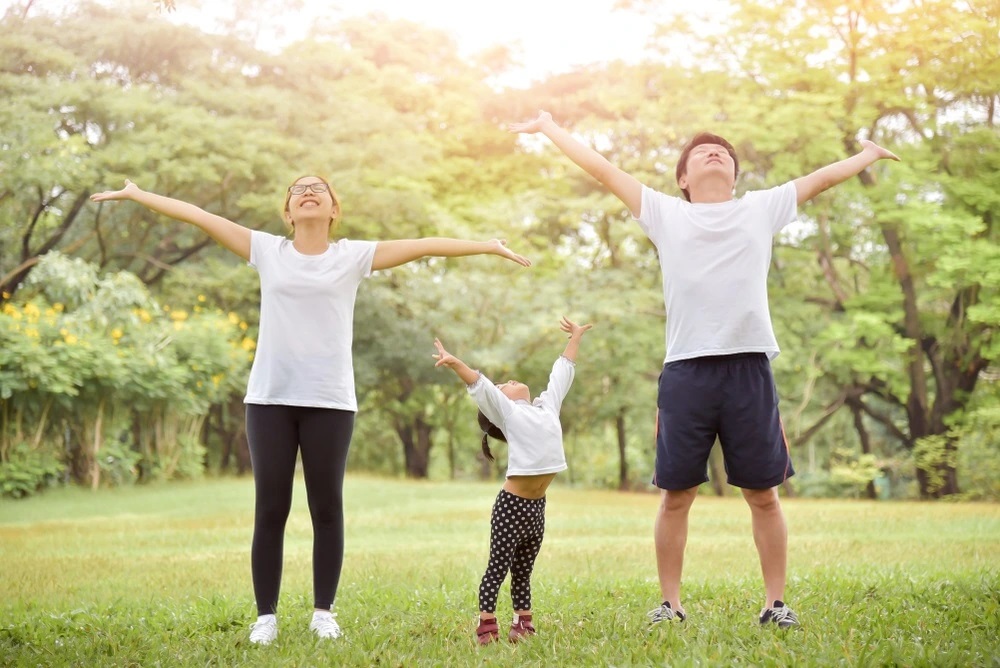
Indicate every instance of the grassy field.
{"type": "Point", "coordinates": [159, 576]}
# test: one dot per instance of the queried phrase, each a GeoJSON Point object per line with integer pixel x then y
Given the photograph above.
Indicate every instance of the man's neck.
{"type": "Point", "coordinates": [711, 195]}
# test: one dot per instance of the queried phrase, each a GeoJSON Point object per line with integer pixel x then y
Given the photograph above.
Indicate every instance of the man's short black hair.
{"type": "Point", "coordinates": [699, 139]}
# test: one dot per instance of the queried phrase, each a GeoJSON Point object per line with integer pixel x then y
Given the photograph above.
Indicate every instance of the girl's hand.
{"type": "Point", "coordinates": [531, 127]}
{"type": "Point", "coordinates": [574, 330]}
{"type": "Point", "coordinates": [499, 247]}
{"type": "Point", "coordinates": [879, 152]}
{"type": "Point", "coordinates": [128, 192]}
{"type": "Point", "coordinates": [443, 357]}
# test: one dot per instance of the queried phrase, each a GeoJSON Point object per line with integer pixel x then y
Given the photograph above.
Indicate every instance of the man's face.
{"type": "Point", "coordinates": [708, 161]}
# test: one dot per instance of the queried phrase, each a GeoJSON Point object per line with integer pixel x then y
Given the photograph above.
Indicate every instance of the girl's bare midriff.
{"type": "Point", "coordinates": [529, 486]}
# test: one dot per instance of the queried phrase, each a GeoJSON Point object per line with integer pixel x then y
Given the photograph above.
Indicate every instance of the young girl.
{"type": "Point", "coordinates": [300, 395]}
{"type": "Point", "coordinates": [534, 456]}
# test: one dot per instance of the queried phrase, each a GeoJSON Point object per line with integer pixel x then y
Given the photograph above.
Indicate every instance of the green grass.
{"type": "Point", "coordinates": [159, 576]}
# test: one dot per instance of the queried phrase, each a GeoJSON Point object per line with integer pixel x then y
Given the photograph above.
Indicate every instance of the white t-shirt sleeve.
{"type": "Point", "coordinates": [494, 404]}
{"type": "Point", "coordinates": [781, 205]}
{"type": "Point", "coordinates": [656, 207]}
{"type": "Point", "coordinates": [361, 254]}
{"type": "Point", "coordinates": [560, 380]}
{"type": "Point", "coordinates": [261, 245]}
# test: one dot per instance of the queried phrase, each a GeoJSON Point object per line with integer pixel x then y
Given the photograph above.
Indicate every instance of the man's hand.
{"type": "Point", "coordinates": [877, 151]}
{"type": "Point", "coordinates": [531, 127]}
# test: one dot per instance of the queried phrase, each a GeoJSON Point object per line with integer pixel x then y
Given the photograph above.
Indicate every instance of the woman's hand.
{"type": "Point", "coordinates": [128, 192]}
{"type": "Point", "coordinates": [499, 247]}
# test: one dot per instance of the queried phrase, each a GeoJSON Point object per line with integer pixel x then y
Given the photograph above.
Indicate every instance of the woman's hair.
{"type": "Point", "coordinates": [489, 429]}
{"type": "Point", "coordinates": [333, 196]}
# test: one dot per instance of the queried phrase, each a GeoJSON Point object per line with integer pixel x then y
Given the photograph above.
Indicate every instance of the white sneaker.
{"type": "Point", "coordinates": [324, 625]}
{"type": "Point", "coordinates": [264, 630]}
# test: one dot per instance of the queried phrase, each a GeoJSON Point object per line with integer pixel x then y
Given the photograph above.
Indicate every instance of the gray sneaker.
{"type": "Point", "coordinates": [665, 613]}
{"type": "Point", "coordinates": [779, 614]}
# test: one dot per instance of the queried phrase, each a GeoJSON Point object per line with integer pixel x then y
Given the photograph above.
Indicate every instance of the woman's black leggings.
{"type": "Point", "coordinates": [275, 434]}
{"type": "Point", "coordinates": [517, 527]}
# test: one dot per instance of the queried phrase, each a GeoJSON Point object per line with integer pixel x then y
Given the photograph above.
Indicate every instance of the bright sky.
{"type": "Point", "coordinates": [545, 36]}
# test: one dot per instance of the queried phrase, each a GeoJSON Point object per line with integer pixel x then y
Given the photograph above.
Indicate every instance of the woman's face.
{"type": "Point", "coordinates": [310, 200]}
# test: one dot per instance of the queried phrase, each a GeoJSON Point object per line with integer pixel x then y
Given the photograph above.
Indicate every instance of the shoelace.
{"type": "Point", "coordinates": [661, 614]}
{"type": "Point", "coordinates": [783, 614]}
{"type": "Point", "coordinates": [326, 627]}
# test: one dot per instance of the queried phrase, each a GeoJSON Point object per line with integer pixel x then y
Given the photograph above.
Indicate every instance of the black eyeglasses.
{"type": "Point", "coordinates": [317, 188]}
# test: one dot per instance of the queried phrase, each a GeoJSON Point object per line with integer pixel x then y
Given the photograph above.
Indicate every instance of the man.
{"type": "Point", "coordinates": [715, 251]}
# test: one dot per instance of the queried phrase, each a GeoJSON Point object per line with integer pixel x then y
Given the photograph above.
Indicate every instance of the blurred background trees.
{"type": "Point", "coordinates": [126, 338]}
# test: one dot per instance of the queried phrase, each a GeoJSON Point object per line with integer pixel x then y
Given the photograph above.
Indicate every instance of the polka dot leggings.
{"type": "Point", "coordinates": [516, 529]}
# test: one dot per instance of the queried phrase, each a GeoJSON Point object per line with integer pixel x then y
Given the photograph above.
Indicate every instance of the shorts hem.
{"type": "Point", "coordinates": [773, 482]}
{"type": "Point", "coordinates": [671, 487]}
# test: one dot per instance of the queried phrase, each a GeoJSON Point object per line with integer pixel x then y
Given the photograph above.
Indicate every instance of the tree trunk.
{"type": "Point", "coordinates": [416, 438]}
{"type": "Point", "coordinates": [623, 483]}
{"type": "Point", "coordinates": [866, 444]}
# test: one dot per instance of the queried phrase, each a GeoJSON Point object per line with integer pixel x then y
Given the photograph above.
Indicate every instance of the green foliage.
{"type": "Point", "coordinates": [27, 471]}
{"type": "Point", "coordinates": [130, 381]}
{"type": "Point", "coordinates": [409, 131]}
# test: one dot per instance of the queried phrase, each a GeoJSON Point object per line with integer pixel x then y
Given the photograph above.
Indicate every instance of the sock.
{"type": "Point", "coordinates": [263, 618]}
{"type": "Point", "coordinates": [322, 614]}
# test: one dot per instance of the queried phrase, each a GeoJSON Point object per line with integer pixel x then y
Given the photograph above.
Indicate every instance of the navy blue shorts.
{"type": "Point", "coordinates": [732, 397]}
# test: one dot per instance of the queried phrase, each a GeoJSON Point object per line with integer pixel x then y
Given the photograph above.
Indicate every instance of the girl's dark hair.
{"type": "Point", "coordinates": [489, 429]}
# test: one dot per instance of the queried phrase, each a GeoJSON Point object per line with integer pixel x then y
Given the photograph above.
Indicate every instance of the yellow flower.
{"type": "Point", "coordinates": [58, 307]}
{"type": "Point", "coordinates": [233, 318]}
{"type": "Point", "coordinates": [70, 339]}
{"type": "Point", "coordinates": [244, 326]}
{"type": "Point", "coordinates": [248, 344]}
{"type": "Point", "coordinates": [116, 334]}
{"type": "Point", "coordinates": [179, 315]}
{"type": "Point", "coordinates": [201, 298]}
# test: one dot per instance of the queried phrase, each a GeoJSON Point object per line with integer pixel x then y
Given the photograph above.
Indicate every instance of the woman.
{"type": "Point", "coordinates": [300, 395]}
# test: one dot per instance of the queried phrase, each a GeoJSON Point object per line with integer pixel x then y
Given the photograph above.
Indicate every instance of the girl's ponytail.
{"type": "Point", "coordinates": [489, 429]}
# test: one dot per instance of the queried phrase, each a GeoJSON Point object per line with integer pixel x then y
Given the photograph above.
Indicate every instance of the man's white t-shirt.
{"type": "Point", "coordinates": [533, 430]}
{"type": "Point", "coordinates": [303, 355]}
{"type": "Point", "coordinates": [715, 259]}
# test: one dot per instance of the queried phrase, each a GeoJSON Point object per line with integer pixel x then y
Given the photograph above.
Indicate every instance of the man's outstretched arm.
{"type": "Point", "coordinates": [624, 186]}
{"type": "Point", "coordinates": [825, 178]}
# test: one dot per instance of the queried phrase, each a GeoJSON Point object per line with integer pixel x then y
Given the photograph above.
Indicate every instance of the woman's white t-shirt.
{"type": "Point", "coordinates": [303, 355]}
{"type": "Point", "coordinates": [533, 430]}
{"type": "Point", "coordinates": [714, 259]}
